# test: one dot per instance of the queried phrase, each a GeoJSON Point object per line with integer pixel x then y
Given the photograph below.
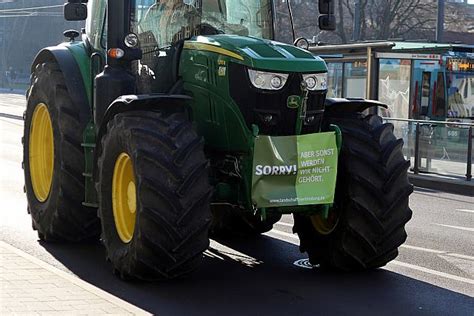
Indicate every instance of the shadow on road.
{"type": "Point", "coordinates": [269, 285]}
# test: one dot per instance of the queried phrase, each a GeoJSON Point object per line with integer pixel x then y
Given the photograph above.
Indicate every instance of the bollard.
{"type": "Point", "coordinates": [416, 168]}
{"type": "Point", "coordinates": [469, 156]}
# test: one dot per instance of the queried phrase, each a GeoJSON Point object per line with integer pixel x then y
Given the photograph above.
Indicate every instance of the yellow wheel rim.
{"type": "Point", "coordinates": [124, 197]}
{"type": "Point", "coordinates": [325, 226]}
{"type": "Point", "coordinates": [41, 152]}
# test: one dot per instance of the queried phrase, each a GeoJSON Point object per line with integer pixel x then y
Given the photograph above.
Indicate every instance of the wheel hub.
{"type": "Point", "coordinates": [323, 225]}
{"type": "Point", "coordinates": [124, 197]}
{"type": "Point", "coordinates": [41, 152]}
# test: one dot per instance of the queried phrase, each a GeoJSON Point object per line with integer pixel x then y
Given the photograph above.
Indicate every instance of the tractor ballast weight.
{"type": "Point", "coordinates": [174, 133]}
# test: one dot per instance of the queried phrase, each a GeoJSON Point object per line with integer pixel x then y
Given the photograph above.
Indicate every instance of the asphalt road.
{"type": "Point", "coordinates": [433, 275]}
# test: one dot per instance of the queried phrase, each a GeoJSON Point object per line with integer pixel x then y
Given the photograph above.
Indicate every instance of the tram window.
{"type": "Point", "coordinates": [460, 94]}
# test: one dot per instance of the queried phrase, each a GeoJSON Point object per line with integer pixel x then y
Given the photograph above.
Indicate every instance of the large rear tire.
{"type": "Point", "coordinates": [54, 159]}
{"type": "Point", "coordinates": [154, 195]}
{"type": "Point", "coordinates": [367, 223]}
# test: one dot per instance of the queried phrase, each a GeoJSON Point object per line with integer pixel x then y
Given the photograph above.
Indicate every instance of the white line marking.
{"type": "Point", "coordinates": [430, 271]}
{"type": "Point", "coordinates": [439, 252]}
{"type": "Point", "coordinates": [465, 211]}
{"type": "Point", "coordinates": [294, 236]}
{"type": "Point", "coordinates": [399, 263]}
{"type": "Point", "coordinates": [460, 256]}
{"type": "Point", "coordinates": [284, 224]}
{"type": "Point", "coordinates": [284, 234]}
{"type": "Point", "coordinates": [469, 229]}
{"type": "Point", "coordinates": [423, 249]}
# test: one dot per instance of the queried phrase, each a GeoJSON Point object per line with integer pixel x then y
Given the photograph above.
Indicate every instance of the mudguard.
{"type": "Point", "coordinates": [147, 102]}
{"type": "Point", "coordinates": [342, 105]}
{"type": "Point", "coordinates": [70, 69]}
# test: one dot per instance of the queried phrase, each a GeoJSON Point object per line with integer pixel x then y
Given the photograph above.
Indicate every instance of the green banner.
{"type": "Point", "coordinates": [294, 170]}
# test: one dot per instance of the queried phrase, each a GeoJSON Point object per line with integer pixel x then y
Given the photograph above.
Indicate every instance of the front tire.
{"type": "Point", "coordinates": [54, 159]}
{"type": "Point", "coordinates": [154, 195]}
{"type": "Point", "coordinates": [367, 224]}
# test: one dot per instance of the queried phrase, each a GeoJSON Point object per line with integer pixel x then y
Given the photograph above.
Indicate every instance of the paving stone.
{"type": "Point", "coordinates": [32, 287]}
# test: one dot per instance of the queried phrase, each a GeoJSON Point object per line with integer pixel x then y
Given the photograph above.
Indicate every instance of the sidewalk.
{"type": "Point", "coordinates": [30, 286]}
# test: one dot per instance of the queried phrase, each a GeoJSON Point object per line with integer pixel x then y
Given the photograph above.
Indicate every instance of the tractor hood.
{"type": "Point", "coordinates": [259, 53]}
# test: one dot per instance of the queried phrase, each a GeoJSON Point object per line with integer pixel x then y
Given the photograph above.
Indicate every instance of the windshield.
{"type": "Point", "coordinates": [168, 21]}
{"type": "Point", "coordinates": [243, 17]}
{"type": "Point", "coordinates": [305, 19]}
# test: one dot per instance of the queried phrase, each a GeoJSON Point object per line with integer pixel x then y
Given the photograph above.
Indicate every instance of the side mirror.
{"type": "Point", "coordinates": [327, 22]}
{"type": "Point", "coordinates": [74, 11]}
{"type": "Point", "coordinates": [326, 6]}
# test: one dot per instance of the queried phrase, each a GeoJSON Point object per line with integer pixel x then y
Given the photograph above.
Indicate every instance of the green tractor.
{"type": "Point", "coordinates": [166, 122]}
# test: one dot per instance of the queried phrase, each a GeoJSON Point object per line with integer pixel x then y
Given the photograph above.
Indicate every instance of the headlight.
{"type": "Point", "coordinates": [267, 80]}
{"type": "Point", "coordinates": [315, 82]}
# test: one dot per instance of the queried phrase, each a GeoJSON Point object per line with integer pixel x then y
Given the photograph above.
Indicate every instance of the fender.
{"type": "Point", "coordinates": [343, 105]}
{"type": "Point", "coordinates": [70, 69]}
{"type": "Point", "coordinates": [148, 102]}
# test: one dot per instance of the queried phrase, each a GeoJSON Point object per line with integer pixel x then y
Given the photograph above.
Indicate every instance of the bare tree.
{"type": "Point", "coordinates": [384, 19]}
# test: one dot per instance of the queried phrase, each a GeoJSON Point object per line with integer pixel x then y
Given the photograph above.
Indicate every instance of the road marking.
{"type": "Point", "coordinates": [430, 271]}
{"type": "Point", "coordinates": [293, 236]}
{"type": "Point", "coordinates": [284, 234]}
{"type": "Point", "coordinates": [423, 249]}
{"type": "Point", "coordinates": [466, 266]}
{"type": "Point", "coordinates": [284, 224]}
{"type": "Point", "coordinates": [469, 229]}
{"type": "Point", "coordinates": [399, 263]}
{"type": "Point", "coordinates": [460, 256]}
{"type": "Point", "coordinates": [464, 210]}
{"type": "Point", "coordinates": [439, 252]}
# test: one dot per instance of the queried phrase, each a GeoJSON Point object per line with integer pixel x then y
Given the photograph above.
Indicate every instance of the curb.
{"type": "Point", "coordinates": [461, 187]}
{"type": "Point", "coordinates": [76, 281]}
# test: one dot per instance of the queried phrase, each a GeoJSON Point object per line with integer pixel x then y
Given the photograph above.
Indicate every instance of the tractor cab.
{"type": "Point", "coordinates": [154, 32]}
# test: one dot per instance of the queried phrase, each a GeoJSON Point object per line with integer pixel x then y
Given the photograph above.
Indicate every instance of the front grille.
{"type": "Point", "coordinates": [256, 104]}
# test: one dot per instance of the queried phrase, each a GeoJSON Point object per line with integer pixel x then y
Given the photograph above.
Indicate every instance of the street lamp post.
{"type": "Point", "coordinates": [440, 22]}
{"type": "Point", "coordinates": [356, 31]}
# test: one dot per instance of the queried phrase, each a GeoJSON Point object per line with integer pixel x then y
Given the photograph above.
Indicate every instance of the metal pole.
{"type": "Point", "coordinates": [440, 22]}
{"type": "Point", "coordinates": [416, 168]}
{"type": "Point", "coordinates": [356, 32]}
{"type": "Point", "coordinates": [3, 57]}
{"type": "Point", "coordinates": [469, 156]}
{"type": "Point", "coordinates": [368, 89]}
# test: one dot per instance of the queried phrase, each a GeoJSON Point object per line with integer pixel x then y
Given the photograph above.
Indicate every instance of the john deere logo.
{"type": "Point", "coordinates": [293, 101]}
